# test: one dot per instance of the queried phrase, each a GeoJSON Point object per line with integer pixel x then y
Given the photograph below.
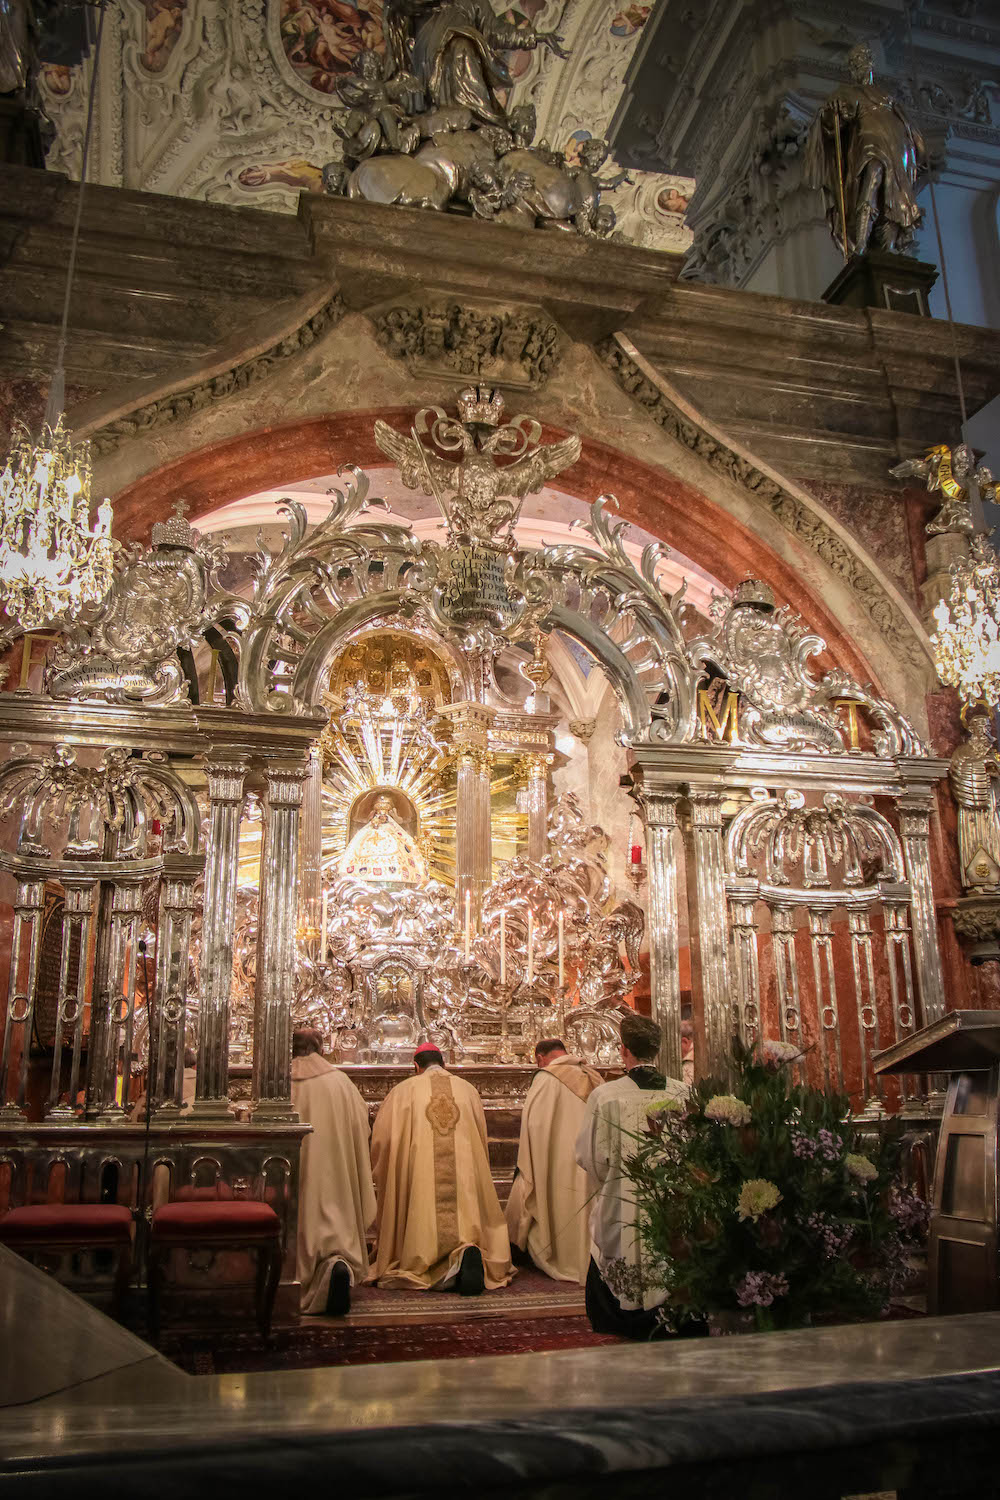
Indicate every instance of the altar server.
{"type": "Point", "coordinates": [440, 1226]}
{"type": "Point", "coordinates": [620, 1298]}
{"type": "Point", "coordinates": [336, 1196]}
{"type": "Point", "coordinates": [548, 1208]}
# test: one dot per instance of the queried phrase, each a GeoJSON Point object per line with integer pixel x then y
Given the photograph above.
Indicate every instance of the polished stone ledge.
{"type": "Point", "coordinates": [881, 1399]}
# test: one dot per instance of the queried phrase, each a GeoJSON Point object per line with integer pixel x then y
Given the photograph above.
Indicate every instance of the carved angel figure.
{"type": "Point", "coordinates": [949, 471]}
{"type": "Point", "coordinates": [974, 775]}
{"type": "Point", "coordinates": [480, 498]}
{"type": "Point", "coordinates": [377, 117]}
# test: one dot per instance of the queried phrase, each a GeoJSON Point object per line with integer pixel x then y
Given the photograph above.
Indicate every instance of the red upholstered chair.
{"type": "Point", "coordinates": [219, 1224]}
{"type": "Point", "coordinates": [58, 1228]}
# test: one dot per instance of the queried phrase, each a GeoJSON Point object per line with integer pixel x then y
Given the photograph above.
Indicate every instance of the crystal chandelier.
{"type": "Point", "coordinates": [53, 558]}
{"type": "Point", "coordinates": [966, 643]}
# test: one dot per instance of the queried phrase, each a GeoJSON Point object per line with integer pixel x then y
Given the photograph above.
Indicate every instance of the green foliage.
{"type": "Point", "coordinates": [835, 1243]}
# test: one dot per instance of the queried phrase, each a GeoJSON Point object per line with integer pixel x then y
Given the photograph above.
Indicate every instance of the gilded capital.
{"type": "Point", "coordinates": [534, 767]}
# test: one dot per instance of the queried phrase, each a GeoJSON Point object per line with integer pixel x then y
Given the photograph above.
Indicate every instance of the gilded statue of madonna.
{"type": "Point", "coordinates": [382, 851]}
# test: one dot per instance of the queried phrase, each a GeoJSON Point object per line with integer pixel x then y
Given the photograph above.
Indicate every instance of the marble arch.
{"type": "Point", "coordinates": [698, 521]}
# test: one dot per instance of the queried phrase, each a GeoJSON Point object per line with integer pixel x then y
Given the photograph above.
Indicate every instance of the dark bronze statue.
{"type": "Point", "coordinates": [864, 154]}
{"type": "Point", "coordinates": [455, 49]}
{"type": "Point", "coordinates": [427, 126]}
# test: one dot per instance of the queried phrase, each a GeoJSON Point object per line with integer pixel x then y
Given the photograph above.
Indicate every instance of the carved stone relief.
{"type": "Point", "coordinates": [449, 338]}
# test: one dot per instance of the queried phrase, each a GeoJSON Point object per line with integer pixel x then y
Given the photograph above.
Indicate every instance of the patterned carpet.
{"type": "Point", "coordinates": [532, 1314]}
{"type": "Point", "coordinates": [327, 1342]}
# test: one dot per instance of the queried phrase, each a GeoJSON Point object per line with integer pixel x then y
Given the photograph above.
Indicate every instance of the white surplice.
{"type": "Point", "coordinates": [434, 1186]}
{"type": "Point", "coordinates": [548, 1207]}
{"type": "Point", "coordinates": [336, 1195]}
{"type": "Point", "coordinates": [614, 1116]}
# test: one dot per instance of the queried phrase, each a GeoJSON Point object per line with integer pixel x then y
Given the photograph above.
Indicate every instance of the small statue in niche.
{"type": "Point", "coordinates": [382, 852]}
{"type": "Point", "coordinates": [864, 154]}
{"type": "Point", "coordinates": [949, 471]}
{"type": "Point", "coordinates": [974, 775]}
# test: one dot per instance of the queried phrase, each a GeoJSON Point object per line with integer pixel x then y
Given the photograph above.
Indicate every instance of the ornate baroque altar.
{"type": "Point", "coordinates": [330, 793]}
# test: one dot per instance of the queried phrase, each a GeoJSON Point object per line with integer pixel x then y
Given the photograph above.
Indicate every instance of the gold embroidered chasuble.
{"type": "Point", "coordinates": [434, 1186]}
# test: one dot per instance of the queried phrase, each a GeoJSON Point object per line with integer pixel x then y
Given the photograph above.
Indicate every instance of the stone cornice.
{"type": "Point", "coordinates": [187, 399]}
{"type": "Point", "coordinates": [791, 507]}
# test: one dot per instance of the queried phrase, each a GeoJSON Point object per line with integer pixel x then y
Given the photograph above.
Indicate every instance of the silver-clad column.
{"type": "Point", "coordinates": [535, 770]}
{"type": "Point", "coordinates": [660, 811]}
{"type": "Point", "coordinates": [177, 904]}
{"type": "Point", "coordinates": [272, 1033]}
{"type": "Point", "coordinates": [24, 954]}
{"type": "Point", "coordinates": [473, 822]}
{"type": "Point", "coordinates": [78, 910]}
{"type": "Point", "coordinates": [225, 792]}
{"type": "Point", "coordinates": [311, 843]}
{"type": "Point", "coordinates": [473, 843]}
{"type": "Point", "coordinates": [915, 827]}
{"type": "Point", "coordinates": [709, 930]}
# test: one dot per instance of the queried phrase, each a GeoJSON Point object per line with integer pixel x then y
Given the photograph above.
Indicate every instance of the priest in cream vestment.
{"type": "Point", "coordinates": [440, 1224]}
{"type": "Point", "coordinates": [336, 1196]}
{"type": "Point", "coordinates": [548, 1211]}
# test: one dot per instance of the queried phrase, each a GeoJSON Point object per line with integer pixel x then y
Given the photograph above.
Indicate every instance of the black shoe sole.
{"type": "Point", "coordinates": [338, 1298]}
{"type": "Point", "coordinates": [471, 1280]}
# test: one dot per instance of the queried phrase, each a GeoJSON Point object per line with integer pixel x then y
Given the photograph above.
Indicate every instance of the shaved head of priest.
{"type": "Point", "coordinates": [440, 1226]}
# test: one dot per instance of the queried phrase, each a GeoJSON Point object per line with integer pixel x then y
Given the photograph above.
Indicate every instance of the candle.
{"type": "Point", "coordinates": [322, 930]}
{"type": "Point", "coordinates": [503, 948]}
{"type": "Point", "coordinates": [468, 923]}
{"type": "Point", "coordinates": [561, 951]}
{"type": "Point", "coordinates": [531, 947]}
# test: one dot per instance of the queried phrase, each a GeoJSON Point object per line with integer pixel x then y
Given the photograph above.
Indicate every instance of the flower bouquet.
{"type": "Point", "coordinates": [759, 1210]}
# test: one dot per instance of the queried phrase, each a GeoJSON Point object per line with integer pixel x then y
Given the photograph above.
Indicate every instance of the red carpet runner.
{"type": "Point", "coordinates": [311, 1346]}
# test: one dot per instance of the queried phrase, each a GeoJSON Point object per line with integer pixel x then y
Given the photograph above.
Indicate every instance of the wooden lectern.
{"type": "Point", "coordinates": [962, 1269]}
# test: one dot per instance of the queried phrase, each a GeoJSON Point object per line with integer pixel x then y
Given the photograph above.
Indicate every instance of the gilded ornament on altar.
{"type": "Point", "coordinates": [974, 774]}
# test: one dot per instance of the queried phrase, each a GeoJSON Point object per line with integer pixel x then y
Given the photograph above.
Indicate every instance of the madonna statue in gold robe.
{"type": "Point", "coordinates": [383, 852]}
